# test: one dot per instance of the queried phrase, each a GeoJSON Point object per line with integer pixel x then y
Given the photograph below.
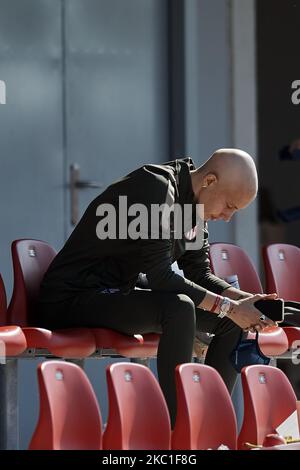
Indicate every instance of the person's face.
{"type": "Point", "coordinates": [218, 206]}
{"type": "Point", "coordinates": [221, 203]}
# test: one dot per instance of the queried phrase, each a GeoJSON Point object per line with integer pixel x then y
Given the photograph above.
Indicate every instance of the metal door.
{"type": "Point", "coordinates": [116, 92]}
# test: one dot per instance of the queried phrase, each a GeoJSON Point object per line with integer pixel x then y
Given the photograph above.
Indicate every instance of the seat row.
{"type": "Point", "coordinates": [282, 274]}
{"type": "Point", "coordinates": [31, 259]}
{"type": "Point", "coordinates": [19, 337]}
{"type": "Point", "coordinates": [138, 417]}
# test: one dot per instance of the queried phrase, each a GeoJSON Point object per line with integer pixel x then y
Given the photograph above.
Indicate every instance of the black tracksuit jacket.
{"type": "Point", "coordinates": [87, 262]}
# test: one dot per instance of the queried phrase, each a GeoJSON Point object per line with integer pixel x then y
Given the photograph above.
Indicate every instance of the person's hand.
{"type": "Point", "coordinates": [247, 316]}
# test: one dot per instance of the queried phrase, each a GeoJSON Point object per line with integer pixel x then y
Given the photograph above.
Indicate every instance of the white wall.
{"type": "Point", "coordinates": [244, 116]}
{"type": "Point", "coordinates": [220, 94]}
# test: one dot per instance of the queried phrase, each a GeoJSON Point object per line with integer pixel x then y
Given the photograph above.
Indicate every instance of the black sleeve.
{"type": "Point", "coordinates": [196, 267]}
{"type": "Point", "coordinates": [157, 264]}
{"type": "Point", "coordinates": [156, 253]}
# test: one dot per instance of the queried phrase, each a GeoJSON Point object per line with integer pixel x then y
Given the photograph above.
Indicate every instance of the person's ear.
{"type": "Point", "coordinates": [209, 179]}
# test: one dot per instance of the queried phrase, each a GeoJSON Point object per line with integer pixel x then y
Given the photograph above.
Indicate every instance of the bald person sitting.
{"type": "Point", "coordinates": [108, 276]}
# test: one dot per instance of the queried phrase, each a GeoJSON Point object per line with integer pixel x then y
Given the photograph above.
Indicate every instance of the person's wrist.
{"type": "Point", "coordinates": [225, 307]}
{"type": "Point", "coordinates": [241, 297]}
{"type": "Point", "coordinates": [244, 296]}
{"type": "Point", "coordinates": [233, 307]}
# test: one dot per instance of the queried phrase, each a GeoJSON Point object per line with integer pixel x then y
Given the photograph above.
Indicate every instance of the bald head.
{"type": "Point", "coordinates": [227, 178]}
{"type": "Point", "coordinates": [232, 167]}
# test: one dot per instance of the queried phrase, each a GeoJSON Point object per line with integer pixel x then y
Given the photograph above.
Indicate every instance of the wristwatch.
{"type": "Point", "coordinates": [224, 307]}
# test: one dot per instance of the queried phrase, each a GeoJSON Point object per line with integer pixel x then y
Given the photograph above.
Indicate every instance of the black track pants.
{"type": "Point", "coordinates": [145, 311]}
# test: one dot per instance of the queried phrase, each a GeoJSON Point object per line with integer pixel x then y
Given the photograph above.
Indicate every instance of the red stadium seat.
{"type": "Point", "coordinates": [136, 346]}
{"type": "Point", "coordinates": [227, 259]}
{"type": "Point", "coordinates": [31, 259]}
{"type": "Point", "coordinates": [269, 400]}
{"type": "Point", "coordinates": [291, 446]}
{"type": "Point", "coordinates": [12, 339]}
{"type": "Point", "coordinates": [205, 414]}
{"type": "Point", "coordinates": [273, 340]}
{"type": "Point", "coordinates": [138, 415]}
{"type": "Point", "coordinates": [282, 270]}
{"type": "Point", "coordinates": [3, 303]}
{"type": "Point", "coordinates": [69, 416]}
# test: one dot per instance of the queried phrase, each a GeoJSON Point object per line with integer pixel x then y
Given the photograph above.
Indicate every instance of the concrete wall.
{"type": "Point", "coordinates": [221, 94]}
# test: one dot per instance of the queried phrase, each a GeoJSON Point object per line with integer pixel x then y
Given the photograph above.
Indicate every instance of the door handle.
{"type": "Point", "coordinates": [87, 184]}
{"type": "Point", "coordinates": [75, 185]}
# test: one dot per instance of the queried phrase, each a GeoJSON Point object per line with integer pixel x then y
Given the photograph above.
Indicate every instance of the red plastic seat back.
{"type": "Point", "coordinates": [282, 270]}
{"type": "Point", "coordinates": [138, 415]}
{"type": "Point", "coordinates": [228, 259]}
{"type": "Point", "coordinates": [205, 414]}
{"type": "Point", "coordinates": [268, 400]}
{"type": "Point", "coordinates": [69, 413]}
{"type": "Point", "coordinates": [3, 304]}
{"type": "Point", "coordinates": [31, 259]}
